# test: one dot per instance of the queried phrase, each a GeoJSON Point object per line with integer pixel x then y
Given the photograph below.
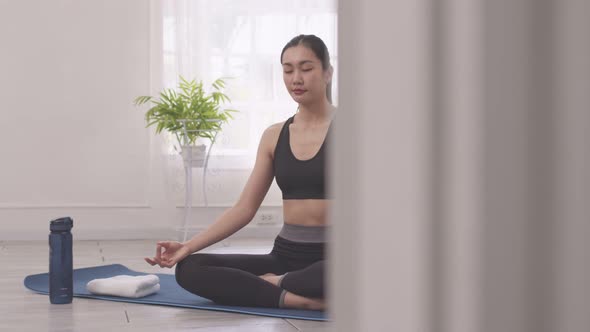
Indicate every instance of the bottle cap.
{"type": "Point", "coordinates": [61, 224]}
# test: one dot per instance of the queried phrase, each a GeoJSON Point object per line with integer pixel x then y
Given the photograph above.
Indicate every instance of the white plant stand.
{"type": "Point", "coordinates": [189, 164]}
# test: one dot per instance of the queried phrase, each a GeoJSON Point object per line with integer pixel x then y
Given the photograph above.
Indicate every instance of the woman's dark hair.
{"type": "Point", "coordinates": [318, 47]}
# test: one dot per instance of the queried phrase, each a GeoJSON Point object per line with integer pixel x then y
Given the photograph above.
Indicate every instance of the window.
{"type": "Point", "coordinates": [208, 39]}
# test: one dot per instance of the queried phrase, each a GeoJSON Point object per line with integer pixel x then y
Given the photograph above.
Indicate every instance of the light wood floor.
{"type": "Point", "coordinates": [23, 310]}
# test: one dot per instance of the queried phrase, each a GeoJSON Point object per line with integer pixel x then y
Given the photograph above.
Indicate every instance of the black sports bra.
{"type": "Point", "coordinates": [299, 179]}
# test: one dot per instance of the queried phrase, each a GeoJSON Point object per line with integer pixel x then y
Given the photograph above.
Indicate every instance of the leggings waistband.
{"type": "Point", "coordinates": [308, 234]}
{"type": "Point", "coordinates": [296, 251]}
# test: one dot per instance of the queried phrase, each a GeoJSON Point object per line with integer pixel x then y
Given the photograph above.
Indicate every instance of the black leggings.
{"type": "Point", "coordinates": [233, 279]}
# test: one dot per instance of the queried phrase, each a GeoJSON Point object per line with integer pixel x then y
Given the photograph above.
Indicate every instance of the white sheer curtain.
{"type": "Point", "coordinates": [208, 39]}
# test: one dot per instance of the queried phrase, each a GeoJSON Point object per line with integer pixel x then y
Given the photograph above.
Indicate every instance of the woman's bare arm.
{"type": "Point", "coordinates": [239, 215]}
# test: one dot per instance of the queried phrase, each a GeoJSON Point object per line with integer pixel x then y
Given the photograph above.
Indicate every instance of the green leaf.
{"type": "Point", "coordinates": [188, 101]}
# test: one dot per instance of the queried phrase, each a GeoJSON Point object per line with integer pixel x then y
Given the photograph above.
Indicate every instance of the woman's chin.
{"type": "Point", "coordinates": [301, 99]}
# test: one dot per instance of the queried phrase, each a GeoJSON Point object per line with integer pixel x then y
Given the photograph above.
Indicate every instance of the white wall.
{"type": "Point", "coordinates": [72, 143]}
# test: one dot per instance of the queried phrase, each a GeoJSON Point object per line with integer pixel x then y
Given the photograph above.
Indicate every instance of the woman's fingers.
{"type": "Point", "coordinates": [158, 251]}
{"type": "Point", "coordinates": [168, 264]}
{"type": "Point", "coordinates": [150, 261]}
{"type": "Point", "coordinates": [163, 252]}
{"type": "Point", "coordinates": [160, 262]}
{"type": "Point", "coordinates": [170, 249]}
{"type": "Point", "coordinates": [167, 245]}
{"type": "Point", "coordinates": [163, 256]}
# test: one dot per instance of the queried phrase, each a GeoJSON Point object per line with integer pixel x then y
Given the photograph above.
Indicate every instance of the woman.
{"type": "Point", "coordinates": [293, 151]}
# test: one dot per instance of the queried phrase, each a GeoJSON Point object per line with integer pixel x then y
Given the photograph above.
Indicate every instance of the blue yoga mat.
{"type": "Point", "coordinates": [170, 294]}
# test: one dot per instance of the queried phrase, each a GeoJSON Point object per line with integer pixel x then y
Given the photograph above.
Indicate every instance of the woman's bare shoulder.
{"type": "Point", "coordinates": [270, 137]}
{"type": "Point", "coordinates": [275, 128]}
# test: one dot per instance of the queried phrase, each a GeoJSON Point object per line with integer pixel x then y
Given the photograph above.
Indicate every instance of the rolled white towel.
{"type": "Point", "coordinates": [125, 286]}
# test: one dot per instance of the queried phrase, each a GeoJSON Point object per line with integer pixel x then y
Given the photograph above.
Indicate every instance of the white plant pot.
{"type": "Point", "coordinates": [194, 155]}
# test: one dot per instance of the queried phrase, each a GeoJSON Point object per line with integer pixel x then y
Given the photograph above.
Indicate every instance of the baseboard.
{"type": "Point", "coordinates": [151, 233]}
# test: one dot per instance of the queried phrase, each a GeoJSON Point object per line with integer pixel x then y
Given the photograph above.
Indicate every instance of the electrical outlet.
{"type": "Point", "coordinates": [266, 218]}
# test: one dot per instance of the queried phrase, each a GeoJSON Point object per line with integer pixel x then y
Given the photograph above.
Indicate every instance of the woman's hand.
{"type": "Point", "coordinates": [173, 253]}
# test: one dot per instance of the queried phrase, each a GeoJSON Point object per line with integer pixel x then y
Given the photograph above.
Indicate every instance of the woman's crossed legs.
{"type": "Point", "coordinates": [252, 280]}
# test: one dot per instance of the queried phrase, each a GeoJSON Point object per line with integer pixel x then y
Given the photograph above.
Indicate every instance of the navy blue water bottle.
{"type": "Point", "coordinates": [61, 284]}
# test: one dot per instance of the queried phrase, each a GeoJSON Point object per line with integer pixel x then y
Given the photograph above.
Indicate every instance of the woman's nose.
{"type": "Point", "coordinates": [297, 77]}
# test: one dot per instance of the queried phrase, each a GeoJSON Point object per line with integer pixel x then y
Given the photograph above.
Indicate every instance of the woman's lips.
{"type": "Point", "coordinates": [299, 92]}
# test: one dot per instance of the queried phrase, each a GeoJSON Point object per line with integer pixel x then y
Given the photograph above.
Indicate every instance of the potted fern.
{"type": "Point", "coordinates": [190, 114]}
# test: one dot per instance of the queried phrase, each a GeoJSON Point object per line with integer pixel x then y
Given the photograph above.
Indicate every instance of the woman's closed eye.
{"type": "Point", "coordinates": [290, 71]}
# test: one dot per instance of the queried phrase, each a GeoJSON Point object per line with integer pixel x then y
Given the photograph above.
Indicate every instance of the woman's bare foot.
{"type": "Point", "coordinates": [295, 301]}
{"type": "Point", "coordinates": [272, 278]}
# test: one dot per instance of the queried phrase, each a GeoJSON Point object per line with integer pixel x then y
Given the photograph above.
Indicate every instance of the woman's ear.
{"type": "Point", "coordinates": [328, 74]}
